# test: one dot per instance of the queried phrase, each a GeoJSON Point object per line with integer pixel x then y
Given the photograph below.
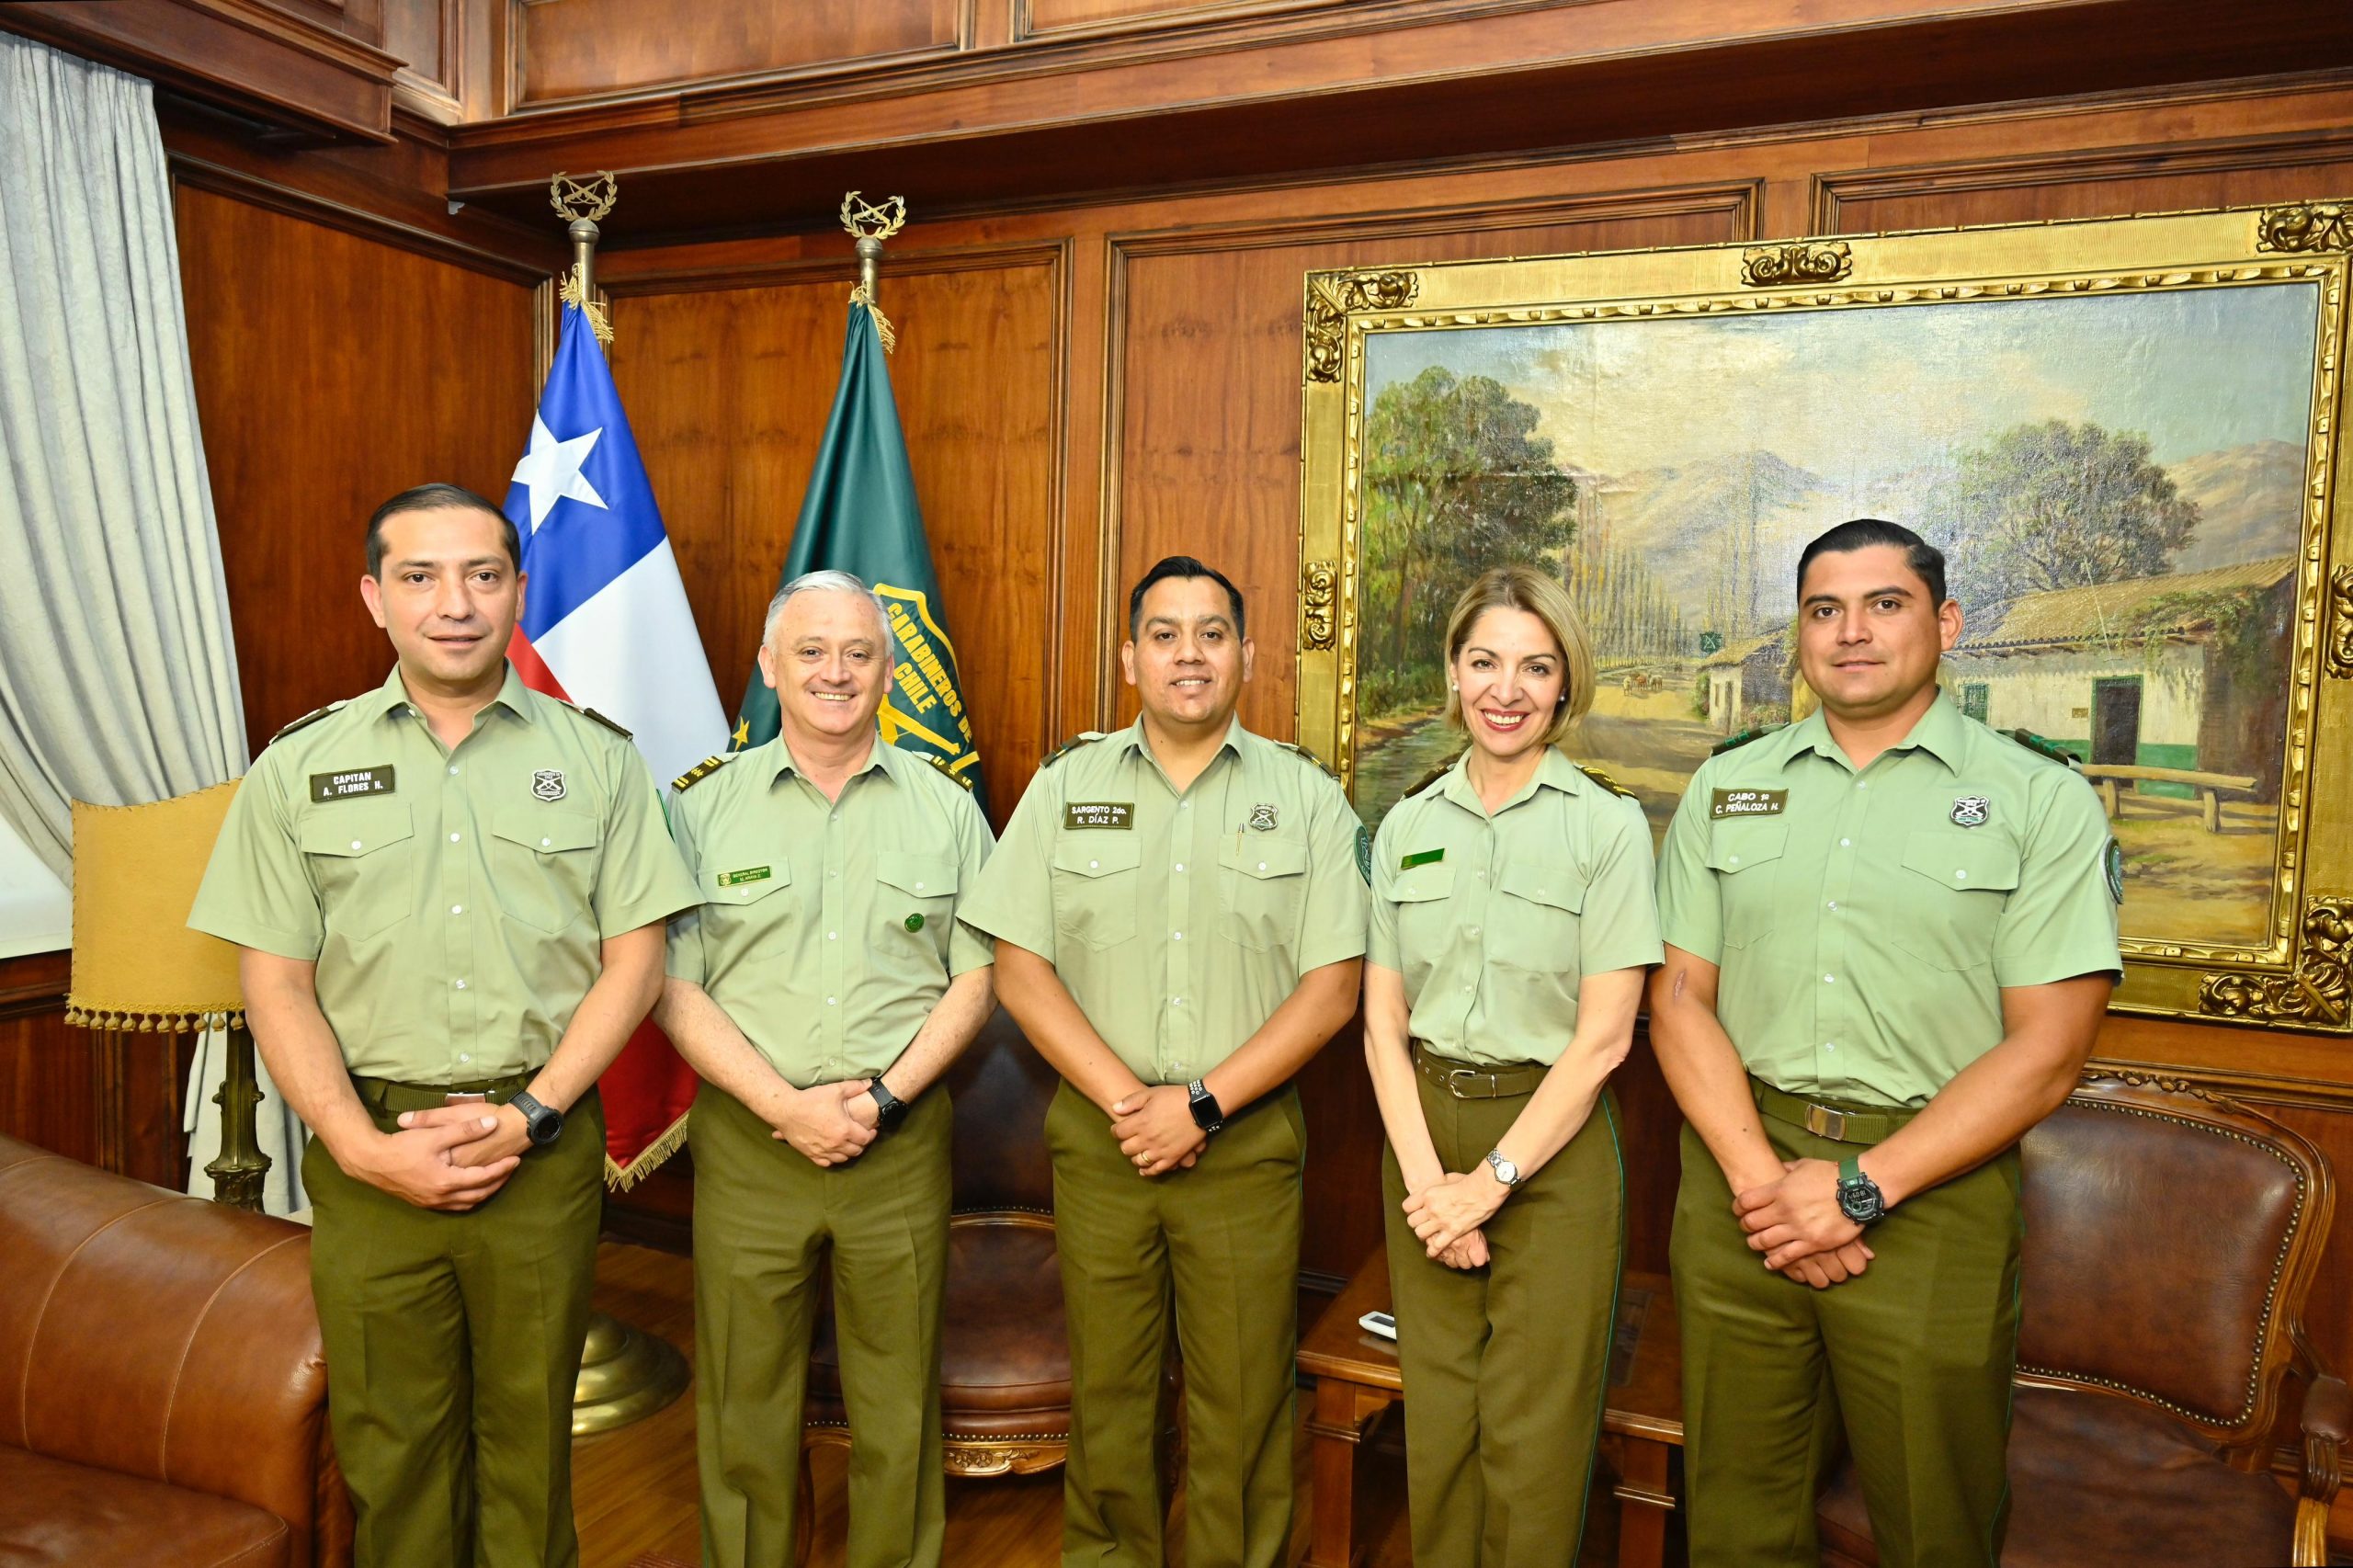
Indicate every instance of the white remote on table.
{"type": "Point", "coordinates": [1381, 1324]}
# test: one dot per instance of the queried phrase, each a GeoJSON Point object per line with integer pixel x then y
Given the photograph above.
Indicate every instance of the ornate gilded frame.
{"type": "Point", "coordinates": [2300, 976]}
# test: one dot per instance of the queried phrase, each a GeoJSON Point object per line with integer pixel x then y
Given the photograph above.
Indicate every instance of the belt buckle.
{"type": "Point", "coordinates": [1456, 1089]}
{"type": "Point", "coordinates": [1824, 1123]}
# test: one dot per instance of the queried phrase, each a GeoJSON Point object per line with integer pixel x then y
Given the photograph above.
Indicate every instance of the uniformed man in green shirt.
{"type": "Point", "coordinates": [819, 988]}
{"type": "Point", "coordinates": [1180, 916]}
{"type": "Point", "coordinates": [450, 893]}
{"type": "Point", "coordinates": [1890, 936]}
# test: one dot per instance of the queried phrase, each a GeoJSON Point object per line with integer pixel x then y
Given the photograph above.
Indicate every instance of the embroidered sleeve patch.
{"type": "Point", "coordinates": [1099, 813]}
{"type": "Point", "coordinates": [1725, 804]}
{"type": "Point", "coordinates": [1421, 858]}
{"type": "Point", "coordinates": [352, 781]}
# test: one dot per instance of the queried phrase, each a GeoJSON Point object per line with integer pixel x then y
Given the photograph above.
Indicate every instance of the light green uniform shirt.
{"type": "Point", "coordinates": [827, 929]}
{"type": "Point", "coordinates": [453, 900]}
{"type": "Point", "coordinates": [1867, 922]}
{"type": "Point", "coordinates": [1495, 921]}
{"type": "Point", "coordinates": [1179, 922]}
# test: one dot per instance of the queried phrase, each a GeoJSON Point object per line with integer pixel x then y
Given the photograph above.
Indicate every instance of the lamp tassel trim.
{"type": "Point", "coordinates": [862, 295]}
{"type": "Point", "coordinates": [574, 294]}
{"type": "Point", "coordinates": [82, 1017]}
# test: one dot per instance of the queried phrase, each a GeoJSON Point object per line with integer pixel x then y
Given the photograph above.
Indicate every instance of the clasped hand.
{"type": "Point", "coordinates": [1451, 1214]}
{"type": "Point", "coordinates": [831, 1123]}
{"type": "Point", "coordinates": [1156, 1130]}
{"type": "Point", "coordinates": [1797, 1223]}
{"type": "Point", "coordinates": [450, 1157]}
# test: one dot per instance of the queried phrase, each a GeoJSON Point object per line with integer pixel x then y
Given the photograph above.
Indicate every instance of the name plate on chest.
{"type": "Point", "coordinates": [1747, 803]}
{"type": "Point", "coordinates": [351, 782]}
{"type": "Point", "coordinates": [1099, 813]}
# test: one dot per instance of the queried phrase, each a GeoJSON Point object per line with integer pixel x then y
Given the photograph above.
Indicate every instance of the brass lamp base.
{"type": "Point", "coordinates": [626, 1374]}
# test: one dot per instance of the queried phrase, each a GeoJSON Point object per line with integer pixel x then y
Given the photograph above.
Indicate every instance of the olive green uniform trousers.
{"type": "Point", "coordinates": [766, 1221]}
{"type": "Point", "coordinates": [1220, 1242]}
{"type": "Point", "coordinates": [453, 1345]}
{"type": "Point", "coordinates": [1506, 1367]}
{"type": "Point", "coordinates": [1911, 1359]}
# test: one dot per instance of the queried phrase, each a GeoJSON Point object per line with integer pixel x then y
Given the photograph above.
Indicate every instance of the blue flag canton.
{"type": "Point", "coordinates": [579, 497]}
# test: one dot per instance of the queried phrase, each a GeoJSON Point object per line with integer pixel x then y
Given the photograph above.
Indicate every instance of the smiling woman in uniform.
{"type": "Point", "coordinates": [1512, 923]}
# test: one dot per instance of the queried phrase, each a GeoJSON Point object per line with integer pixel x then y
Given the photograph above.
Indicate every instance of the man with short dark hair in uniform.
{"type": "Point", "coordinates": [450, 893]}
{"type": "Point", "coordinates": [1890, 936]}
{"type": "Point", "coordinates": [1180, 911]}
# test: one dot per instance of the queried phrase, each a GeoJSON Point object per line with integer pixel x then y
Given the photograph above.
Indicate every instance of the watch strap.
{"type": "Point", "coordinates": [544, 1123]}
{"type": "Point", "coordinates": [889, 1108]}
{"type": "Point", "coordinates": [1208, 1115]}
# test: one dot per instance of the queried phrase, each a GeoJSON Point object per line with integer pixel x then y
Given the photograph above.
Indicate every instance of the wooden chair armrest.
{"type": "Point", "coordinates": [2325, 1421]}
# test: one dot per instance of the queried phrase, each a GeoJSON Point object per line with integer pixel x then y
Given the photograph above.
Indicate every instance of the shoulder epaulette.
{"type": "Point", "coordinates": [1732, 742]}
{"type": "Point", "coordinates": [1599, 777]}
{"type": "Point", "coordinates": [313, 717]}
{"type": "Point", "coordinates": [1084, 738]}
{"type": "Point", "coordinates": [1432, 777]}
{"type": "Point", "coordinates": [1296, 748]}
{"type": "Point", "coordinates": [2041, 747]}
{"type": "Point", "coordinates": [700, 771]}
{"type": "Point", "coordinates": [592, 713]}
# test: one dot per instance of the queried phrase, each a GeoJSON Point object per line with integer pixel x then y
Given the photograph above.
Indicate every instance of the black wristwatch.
{"type": "Point", "coordinates": [545, 1123]}
{"type": "Point", "coordinates": [1858, 1196]}
{"type": "Point", "coordinates": [889, 1108]}
{"type": "Point", "coordinates": [1208, 1115]}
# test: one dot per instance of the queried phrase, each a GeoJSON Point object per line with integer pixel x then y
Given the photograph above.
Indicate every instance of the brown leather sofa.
{"type": "Point", "coordinates": [163, 1397]}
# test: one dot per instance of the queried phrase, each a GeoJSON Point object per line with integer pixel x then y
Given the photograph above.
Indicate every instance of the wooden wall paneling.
{"type": "Point", "coordinates": [727, 388]}
{"type": "Point", "coordinates": [1038, 18]}
{"type": "Point", "coordinates": [594, 49]}
{"type": "Point", "coordinates": [332, 371]}
{"type": "Point", "coordinates": [107, 1097]}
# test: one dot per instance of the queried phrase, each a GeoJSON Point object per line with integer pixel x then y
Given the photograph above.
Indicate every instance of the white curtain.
{"type": "Point", "coordinates": [118, 679]}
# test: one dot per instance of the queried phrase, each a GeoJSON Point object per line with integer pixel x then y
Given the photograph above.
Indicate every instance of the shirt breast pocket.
{"type": "Point", "coordinates": [1424, 896]}
{"type": "Point", "coordinates": [916, 905]}
{"type": "Point", "coordinates": [733, 891]}
{"type": "Point", "coordinates": [362, 856]}
{"type": "Point", "coordinates": [543, 865]}
{"type": "Point", "coordinates": [1096, 882]}
{"type": "Point", "coordinates": [1954, 890]}
{"type": "Point", "coordinates": [1263, 881]}
{"type": "Point", "coordinates": [1536, 919]}
{"type": "Point", "coordinates": [1743, 856]}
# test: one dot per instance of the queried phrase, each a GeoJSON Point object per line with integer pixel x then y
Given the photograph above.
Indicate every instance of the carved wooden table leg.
{"type": "Point", "coordinates": [1344, 1411]}
{"type": "Point", "coordinates": [1641, 1522]}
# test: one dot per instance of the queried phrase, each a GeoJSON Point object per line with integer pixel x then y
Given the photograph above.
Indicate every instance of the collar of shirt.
{"type": "Point", "coordinates": [1555, 771]}
{"type": "Point", "coordinates": [393, 694]}
{"type": "Point", "coordinates": [883, 756]}
{"type": "Point", "coordinates": [1133, 739]}
{"type": "Point", "coordinates": [1942, 732]}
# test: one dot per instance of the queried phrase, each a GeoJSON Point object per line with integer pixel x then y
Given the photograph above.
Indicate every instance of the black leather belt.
{"type": "Point", "coordinates": [1477, 1081]}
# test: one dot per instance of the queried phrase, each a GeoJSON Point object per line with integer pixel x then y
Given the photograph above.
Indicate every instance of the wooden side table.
{"type": "Point", "coordinates": [1356, 1382]}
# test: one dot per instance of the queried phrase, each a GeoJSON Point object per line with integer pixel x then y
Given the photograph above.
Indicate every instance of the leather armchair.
{"type": "Point", "coordinates": [2161, 1362]}
{"type": "Point", "coordinates": [163, 1395]}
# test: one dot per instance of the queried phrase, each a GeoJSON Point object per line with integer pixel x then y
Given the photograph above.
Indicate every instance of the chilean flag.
{"type": "Point", "coordinates": [606, 625]}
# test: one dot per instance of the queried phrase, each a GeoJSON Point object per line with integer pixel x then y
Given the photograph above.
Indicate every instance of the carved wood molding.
{"type": "Point", "coordinates": [1804, 261]}
{"type": "Point", "coordinates": [2305, 226]}
{"type": "Point", "coordinates": [1330, 296]}
{"type": "Point", "coordinates": [1319, 593]}
{"type": "Point", "coordinates": [2317, 994]}
{"type": "Point", "coordinates": [2338, 655]}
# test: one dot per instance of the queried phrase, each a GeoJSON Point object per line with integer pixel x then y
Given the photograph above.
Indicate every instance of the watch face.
{"type": "Point", "coordinates": [1859, 1201]}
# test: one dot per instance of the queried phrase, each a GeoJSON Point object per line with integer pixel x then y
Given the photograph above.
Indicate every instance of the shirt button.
{"type": "Point", "coordinates": [829, 1001]}
{"type": "Point", "coordinates": [1475, 931]}
{"type": "Point", "coordinates": [545, 842]}
{"type": "Point", "coordinates": [832, 936]}
{"type": "Point", "coordinates": [453, 771]}
{"type": "Point", "coordinates": [457, 909]}
{"type": "Point", "coordinates": [1829, 979]}
{"type": "Point", "coordinates": [1833, 903]}
{"type": "Point", "coordinates": [1830, 1045]}
{"type": "Point", "coordinates": [1176, 936]}
{"type": "Point", "coordinates": [464, 1056]}
{"type": "Point", "coordinates": [453, 838]}
{"type": "Point", "coordinates": [1960, 876]}
{"type": "Point", "coordinates": [1844, 841]}
{"type": "Point", "coordinates": [354, 843]}
{"type": "Point", "coordinates": [1262, 865]}
{"type": "Point", "coordinates": [1176, 1001]}
{"type": "Point", "coordinates": [1180, 865]}
{"type": "Point", "coordinates": [1863, 783]}
{"type": "Point", "coordinates": [1734, 860]}
{"type": "Point", "coordinates": [1095, 864]}
{"type": "Point", "coordinates": [460, 984]}
{"type": "Point", "coordinates": [1185, 805]}
{"type": "Point", "coordinates": [1482, 876]}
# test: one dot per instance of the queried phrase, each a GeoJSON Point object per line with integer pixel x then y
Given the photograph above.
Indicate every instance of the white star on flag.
{"type": "Point", "coordinates": [551, 470]}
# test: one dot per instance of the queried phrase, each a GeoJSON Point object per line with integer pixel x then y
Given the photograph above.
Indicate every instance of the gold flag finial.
{"type": "Point", "coordinates": [871, 223]}
{"type": "Point", "coordinates": [583, 201]}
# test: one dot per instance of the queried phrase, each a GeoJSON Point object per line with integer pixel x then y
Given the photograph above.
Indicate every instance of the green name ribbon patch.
{"type": "Point", "coordinates": [1747, 803]}
{"type": "Point", "coordinates": [352, 781]}
{"type": "Point", "coordinates": [1099, 813]}
{"type": "Point", "coordinates": [1426, 858]}
{"type": "Point", "coordinates": [737, 879]}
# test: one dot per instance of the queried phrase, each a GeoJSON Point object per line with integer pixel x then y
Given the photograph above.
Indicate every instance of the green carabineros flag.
{"type": "Point", "coordinates": [860, 515]}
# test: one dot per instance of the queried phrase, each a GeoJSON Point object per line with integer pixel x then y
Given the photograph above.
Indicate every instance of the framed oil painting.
{"type": "Point", "coordinates": [2123, 434]}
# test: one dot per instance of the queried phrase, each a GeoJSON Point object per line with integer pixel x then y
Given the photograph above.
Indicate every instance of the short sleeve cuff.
{"type": "Point", "coordinates": [261, 938]}
{"type": "Point", "coordinates": [2047, 969]}
{"type": "Point", "coordinates": [1624, 955]}
{"type": "Point", "coordinates": [649, 911]}
{"type": "Point", "coordinates": [1701, 944]}
{"type": "Point", "coordinates": [1337, 948]}
{"type": "Point", "coordinates": [969, 950]}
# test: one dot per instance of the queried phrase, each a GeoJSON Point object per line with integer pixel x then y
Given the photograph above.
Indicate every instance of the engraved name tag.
{"type": "Point", "coordinates": [737, 879]}
{"type": "Point", "coordinates": [1747, 803]}
{"type": "Point", "coordinates": [1099, 813]}
{"type": "Point", "coordinates": [352, 781]}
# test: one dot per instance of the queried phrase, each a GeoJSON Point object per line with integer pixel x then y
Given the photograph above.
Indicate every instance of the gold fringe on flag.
{"type": "Point", "coordinates": [620, 1178]}
{"type": "Point", "coordinates": [859, 295]}
{"type": "Point", "coordinates": [574, 294]}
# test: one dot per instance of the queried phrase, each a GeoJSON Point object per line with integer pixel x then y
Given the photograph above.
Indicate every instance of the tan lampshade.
{"type": "Point", "coordinates": [136, 964]}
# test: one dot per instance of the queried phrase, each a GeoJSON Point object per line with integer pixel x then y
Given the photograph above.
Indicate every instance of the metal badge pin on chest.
{"type": "Point", "coordinates": [547, 783]}
{"type": "Point", "coordinates": [1262, 818]}
{"type": "Point", "coordinates": [1971, 810]}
